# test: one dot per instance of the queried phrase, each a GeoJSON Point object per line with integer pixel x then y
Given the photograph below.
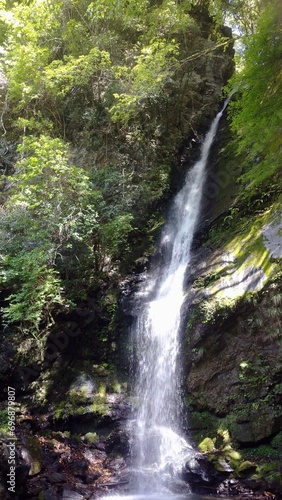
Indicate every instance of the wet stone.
{"type": "Point", "coordinates": [56, 477]}
{"type": "Point", "coordinates": [79, 468]}
{"type": "Point", "coordinates": [101, 446]}
{"type": "Point", "coordinates": [48, 495]}
{"type": "Point", "coordinates": [93, 476]}
{"type": "Point", "coordinates": [69, 494]}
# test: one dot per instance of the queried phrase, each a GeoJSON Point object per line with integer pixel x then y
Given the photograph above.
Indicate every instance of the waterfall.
{"type": "Point", "coordinates": [159, 449]}
{"type": "Point", "coordinates": [158, 444]}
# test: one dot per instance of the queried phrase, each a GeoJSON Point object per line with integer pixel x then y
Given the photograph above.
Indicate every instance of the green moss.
{"type": "Point", "coordinates": [202, 420]}
{"type": "Point", "coordinates": [243, 245]}
{"type": "Point", "coordinates": [34, 449]}
{"type": "Point", "coordinates": [271, 473]}
{"type": "Point", "coordinates": [248, 247]}
{"type": "Point", "coordinates": [244, 469]}
{"type": "Point", "coordinates": [99, 405]}
{"type": "Point", "coordinates": [103, 369]}
{"type": "Point", "coordinates": [276, 442]}
{"type": "Point", "coordinates": [252, 417]}
{"type": "Point", "coordinates": [91, 437]}
{"type": "Point", "coordinates": [117, 387]}
{"type": "Point", "coordinates": [195, 317]}
{"type": "Point", "coordinates": [250, 462]}
{"type": "Point", "coordinates": [77, 406]}
{"type": "Point", "coordinates": [261, 453]}
{"type": "Point", "coordinates": [63, 435]}
{"type": "Point", "coordinates": [207, 445]}
{"type": "Point", "coordinates": [208, 279]}
{"type": "Point", "coordinates": [4, 422]}
{"type": "Point", "coordinates": [241, 236]}
{"type": "Point", "coordinates": [235, 456]}
{"type": "Point", "coordinates": [224, 457]}
{"type": "Point", "coordinates": [102, 390]}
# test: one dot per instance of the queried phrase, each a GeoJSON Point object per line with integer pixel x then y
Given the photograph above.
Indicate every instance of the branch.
{"type": "Point", "coordinates": [213, 452]}
{"type": "Point", "coordinates": [4, 109]}
{"type": "Point", "coordinates": [196, 55]}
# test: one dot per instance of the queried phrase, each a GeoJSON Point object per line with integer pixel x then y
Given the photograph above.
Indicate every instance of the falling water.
{"type": "Point", "coordinates": [159, 447]}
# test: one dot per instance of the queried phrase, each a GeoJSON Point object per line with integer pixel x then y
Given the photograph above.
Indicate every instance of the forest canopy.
{"type": "Point", "coordinates": [257, 113]}
{"type": "Point", "coordinates": [93, 112]}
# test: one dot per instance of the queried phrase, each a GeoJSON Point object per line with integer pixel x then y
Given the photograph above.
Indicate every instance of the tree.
{"type": "Point", "coordinates": [47, 196]}
{"type": "Point", "coordinates": [94, 103]}
{"type": "Point", "coordinates": [256, 114]}
{"type": "Point", "coordinates": [241, 15]}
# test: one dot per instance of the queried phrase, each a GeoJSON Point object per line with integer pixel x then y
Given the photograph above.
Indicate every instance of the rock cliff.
{"type": "Point", "coordinates": [232, 339]}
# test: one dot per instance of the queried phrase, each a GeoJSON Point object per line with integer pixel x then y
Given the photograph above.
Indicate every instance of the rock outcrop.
{"type": "Point", "coordinates": [232, 326]}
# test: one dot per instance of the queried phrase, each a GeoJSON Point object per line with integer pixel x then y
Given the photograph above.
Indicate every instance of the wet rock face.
{"type": "Point", "coordinates": [216, 365]}
{"type": "Point", "coordinates": [272, 235]}
{"type": "Point", "coordinates": [6, 356]}
{"type": "Point", "coordinates": [234, 365]}
{"type": "Point", "coordinates": [21, 472]}
{"type": "Point", "coordinates": [256, 426]}
{"type": "Point", "coordinates": [232, 316]}
{"type": "Point", "coordinates": [67, 465]}
{"type": "Point", "coordinates": [205, 479]}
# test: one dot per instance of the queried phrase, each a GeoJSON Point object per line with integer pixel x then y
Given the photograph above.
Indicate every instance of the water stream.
{"type": "Point", "coordinates": [159, 448]}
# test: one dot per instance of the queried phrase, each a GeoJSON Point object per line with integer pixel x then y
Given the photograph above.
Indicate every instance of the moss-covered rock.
{"type": "Point", "coordinates": [233, 327]}
{"type": "Point", "coordinates": [31, 451]}
{"type": "Point", "coordinates": [232, 341]}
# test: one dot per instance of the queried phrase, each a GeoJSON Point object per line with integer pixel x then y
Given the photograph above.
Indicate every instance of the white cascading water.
{"type": "Point", "coordinates": [159, 448]}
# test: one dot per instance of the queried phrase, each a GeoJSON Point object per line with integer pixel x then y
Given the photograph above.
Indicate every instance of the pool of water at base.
{"type": "Point", "coordinates": [156, 496]}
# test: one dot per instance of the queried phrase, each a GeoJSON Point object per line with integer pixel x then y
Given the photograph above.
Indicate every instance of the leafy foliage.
{"type": "Point", "coordinates": [241, 15]}
{"type": "Point", "coordinates": [45, 200]}
{"type": "Point", "coordinates": [147, 78]}
{"type": "Point", "coordinates": [94, 102]}
{"type": "Point", "coordinates": [256, 114]}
